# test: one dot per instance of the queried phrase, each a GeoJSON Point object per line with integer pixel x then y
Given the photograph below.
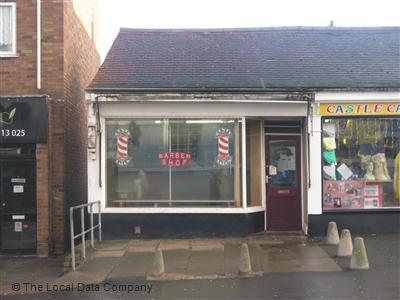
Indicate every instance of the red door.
{"type": "Point", "coordinates": [283, 182]}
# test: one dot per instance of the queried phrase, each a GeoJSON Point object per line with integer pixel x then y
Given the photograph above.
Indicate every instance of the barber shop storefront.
{"type": "Point", "coordinates": [360, 165]}
{"type": "Point", "coordinates": [234, 131]}
{"type": "Point", "coordinates": [192, 169]}
{"type": "Point", "coordinates": [23, 125]}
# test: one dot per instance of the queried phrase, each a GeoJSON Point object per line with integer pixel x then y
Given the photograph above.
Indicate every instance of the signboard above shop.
{"type": "Point", "coordinates": [23, 119]}
{"type": "Point", "coordinates": [359, 109]}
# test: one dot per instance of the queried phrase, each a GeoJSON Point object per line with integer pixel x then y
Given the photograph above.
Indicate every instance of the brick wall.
{"type": "Point", "coordinates": [18, 75]}
{"type": "Point", "coordinates": [69, 62]}
{"type": "Point", "coordinates": [81, 62]}
{"type": "Point", "coordinates": [43, 205]}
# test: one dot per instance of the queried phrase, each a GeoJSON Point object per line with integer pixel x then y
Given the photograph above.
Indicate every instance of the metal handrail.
{"type": "Point", "coordinates": [83, 233]}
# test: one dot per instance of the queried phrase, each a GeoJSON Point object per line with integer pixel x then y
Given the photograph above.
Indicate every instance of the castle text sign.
{"type": "Point", "coordinates": [359, 109]}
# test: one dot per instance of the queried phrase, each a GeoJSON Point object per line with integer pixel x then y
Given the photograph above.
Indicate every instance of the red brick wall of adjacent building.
{"type": "Point", "coordinates": [81, 62]}
{"type": "Point", "coordinates": [18, 75]}
{"type": "Point", "coordinates": [69, 62]}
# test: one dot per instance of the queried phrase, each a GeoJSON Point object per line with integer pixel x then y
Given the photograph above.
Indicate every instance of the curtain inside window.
{"type": "Point", "coordinates": [6, 30]}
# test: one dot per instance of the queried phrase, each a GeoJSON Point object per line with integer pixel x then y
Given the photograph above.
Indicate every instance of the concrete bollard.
{"type": "Point", "coordinates": [158, 265]}
{"type": "Point", "coordinates": [332, 236]}
{"type": "Point", "coordinates": [345, 247]}
{"type": "Point", "coordinates": [245, 262]}
{"type": "Point", "coordinates": [359, 258]}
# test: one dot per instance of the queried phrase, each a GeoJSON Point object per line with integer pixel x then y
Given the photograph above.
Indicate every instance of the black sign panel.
{"type": "Point", "coordinates": [23, 120]}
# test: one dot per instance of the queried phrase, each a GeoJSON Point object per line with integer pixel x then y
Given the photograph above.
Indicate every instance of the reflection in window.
{"type": "Point", "coordinates": [173, 163]}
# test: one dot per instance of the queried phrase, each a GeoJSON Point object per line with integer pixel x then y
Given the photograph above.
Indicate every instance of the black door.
{"type": "Point", "coordinates": [17, 205]}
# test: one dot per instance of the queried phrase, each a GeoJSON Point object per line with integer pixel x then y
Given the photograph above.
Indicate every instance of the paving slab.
{"type": "Point", "coordinates": [131, 265]}
{"type": "Point", "coordinates": [108, 253]}
{"type": "Point", "coordinates": [112, 245]}
{"type": "Point", "coordinates": [309, 252]}
{"type": "Point", "coordinates": [142, 246]}
{"type": "Point", "coordinates": [99, 266]}
{"type": "Point", "coordinates": [255, 258]}
{"type": "Point", "coordinates": [278, 253]}
{"type": "Point", "coordinates": [176, 261]}
{"type": "Point", "coordinates": [231, 258]}
{"type": "Point", "coordinates": [296, 258]}
{"type": "Point", "coordinates": [319, 265]}
{"type": "Point", "coordinates": [33, 270]}
{"type": "Point", "coordinates": [233, 240]}
{"type": "Point", "coordinates": [207, 245]}
{"type": "Point", "coordinates": [206, 263]}
{"type": "Point", "coordinates": [175, 245]}
{"type": "Point", "coordinates": [274, 266]}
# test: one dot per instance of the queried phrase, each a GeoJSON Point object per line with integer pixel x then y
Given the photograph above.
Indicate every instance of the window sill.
{"type": "Point", "coordinates": [9, 55]}
{"type": "Point", "coordinates": [183, 210]}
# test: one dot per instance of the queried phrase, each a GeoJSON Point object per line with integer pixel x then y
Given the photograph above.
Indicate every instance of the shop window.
{"type": "Point", "coordinates": [7, 29]}
{"type": "Point", "coordinates": [361, 163]}
{"type": "Point", "coordinates": [173, 163]}
{"type": "Point", "coordinates": [253, 162]}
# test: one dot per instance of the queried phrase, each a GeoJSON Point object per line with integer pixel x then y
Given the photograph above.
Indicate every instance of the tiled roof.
{"type": "Point", "coordinates": [252, 59]}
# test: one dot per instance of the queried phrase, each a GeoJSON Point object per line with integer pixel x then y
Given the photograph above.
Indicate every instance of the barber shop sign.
{"type": "Point", "coordinates": [223, 158]}
{"type": "Point", "coordinates": [122, 136]}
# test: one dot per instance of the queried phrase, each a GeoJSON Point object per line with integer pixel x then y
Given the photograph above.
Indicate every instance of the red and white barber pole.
{"type": "Point", "coordinates": [122, 148]}
{"type": "Point", "coordinates": [223, 136]}
{"type": "Point", "coordinates": [122, 135]}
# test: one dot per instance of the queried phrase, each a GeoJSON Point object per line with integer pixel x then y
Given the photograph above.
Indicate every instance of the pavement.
{"type": "Point", "coordinates": [202, 258]}
{"type": "Point", "coordinates": [282, 266]}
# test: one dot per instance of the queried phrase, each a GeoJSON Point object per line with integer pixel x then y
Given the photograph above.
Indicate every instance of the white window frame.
{"type": "Point", "coordinates": [13, 52]}
{"type": "Point", "coordinates": [178, 108]}
{"type": "Point", "coordinates": [241, 208]}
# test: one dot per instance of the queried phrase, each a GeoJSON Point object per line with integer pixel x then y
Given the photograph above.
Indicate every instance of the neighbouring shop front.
{"type": "Point", "coordinates": [23, 124]}
{"type": "Point", "coordinates": [191, 169]}
{"type": "Point", "coordinates": [360, 166]}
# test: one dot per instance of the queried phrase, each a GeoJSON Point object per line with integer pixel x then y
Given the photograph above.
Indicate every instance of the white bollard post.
{"type": "Point", "coordinates": [332, 236]}
{"type": "Point", "coordinates": [158, 266]}
{"type": "Point", "coordinates": [245, 262]}
{"type": "Point", "coordinates": [359, 258]}
{"type": "Point", "coordinates": [345, 247]}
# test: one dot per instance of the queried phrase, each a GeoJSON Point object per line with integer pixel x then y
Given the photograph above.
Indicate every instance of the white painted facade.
{"type": "Point", "coordinates": [111, 107]}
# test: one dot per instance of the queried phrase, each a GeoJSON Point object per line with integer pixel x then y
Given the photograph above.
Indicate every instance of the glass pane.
{"type": "Point", "coordinates": [135, 175]}
{"type": "Point", "coordinates": [173, 163]}
{"type": "Point", "coordinates": [209, 176]}
{"type": "Point", "coordinates": [361, 163]}
{"type": "Point", "coordinates": [253, 162]}
{"type": "Point", "coordinates": [6, 30]}
{"type": "Point", "coordinates": [282, 157]}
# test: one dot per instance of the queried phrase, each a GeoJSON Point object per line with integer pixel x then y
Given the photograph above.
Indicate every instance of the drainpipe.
{"type": "Point", "coordinates": [38, 29]}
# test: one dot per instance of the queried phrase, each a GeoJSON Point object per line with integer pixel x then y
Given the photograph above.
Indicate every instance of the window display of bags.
{"type": "Point", "coordinates": [368, 131]}
{"type": "Point", "coordinates": [329, 130]}
{"type": "Point", "coordinates": [330, 172]}
{"type": "Point", "coordinates": [329, 143]}
{"type": "Point", "coordinates": [344, 171]}
{"type": "Point", "coordinates": [329, 157]}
